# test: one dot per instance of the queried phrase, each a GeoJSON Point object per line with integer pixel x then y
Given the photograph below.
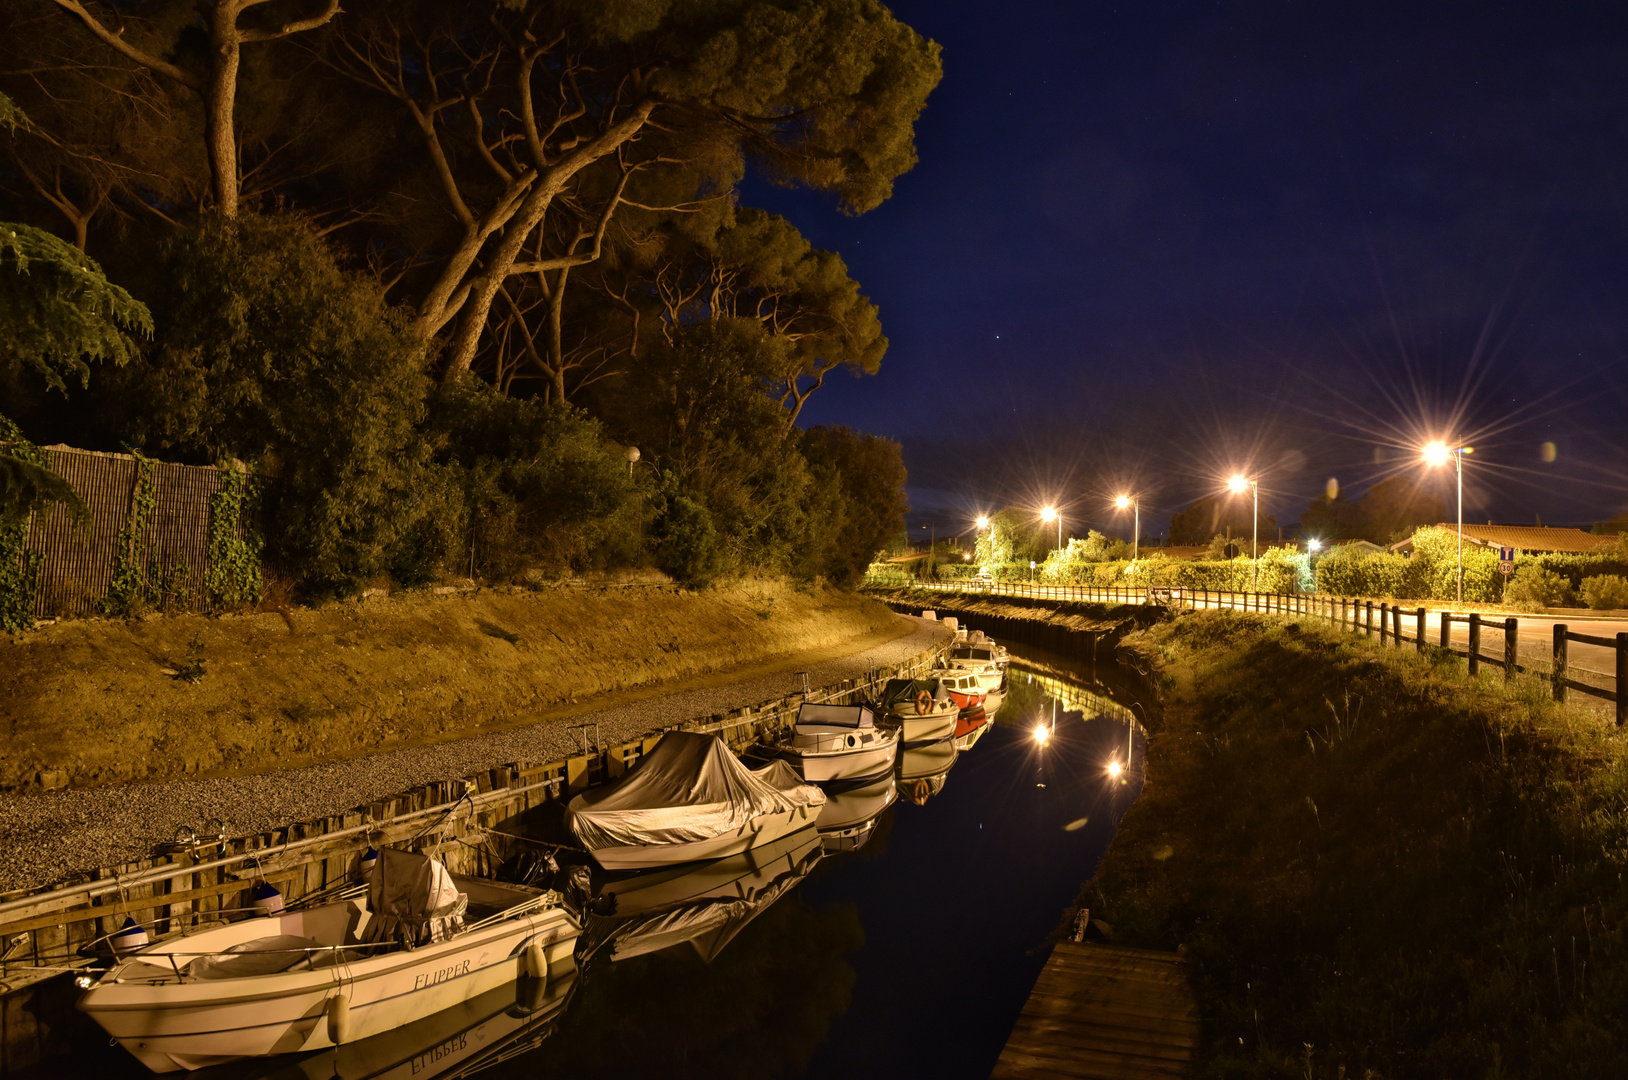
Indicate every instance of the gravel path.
{"type": "Point", "coordinates": [46, 837]}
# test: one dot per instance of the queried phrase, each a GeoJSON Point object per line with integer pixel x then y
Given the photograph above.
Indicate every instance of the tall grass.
{"type": "Point", "coordinates": [1377, 866]}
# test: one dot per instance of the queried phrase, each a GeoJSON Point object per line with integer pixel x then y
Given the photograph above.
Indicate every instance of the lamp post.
{"type": "Point", "coordinates": [632, 457]}
{"type": "Point", "coordinates": [1439, 453]}
{"type": "Point", "coordinates": [1047, 514]}
{"type": "Point", "coordinates": [1237, 485]}
{"type": "Point", "coordinates": [1135, 503]}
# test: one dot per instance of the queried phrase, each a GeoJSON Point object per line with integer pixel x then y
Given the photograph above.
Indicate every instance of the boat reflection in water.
{"type": "Point", "coordinates": [923, 769]}
{"type": "Point", "coordinates": [703, 905]}
{"type": "Point", "coordinates": [502, 1023]}
{"type": "Point", "coordinates": [849, 816]}
{"type": "Point", "coordinates": [969, 728]}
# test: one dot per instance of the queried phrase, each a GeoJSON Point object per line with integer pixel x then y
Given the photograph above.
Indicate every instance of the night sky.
{"type": "Point", "coordinates": [1148, 245]}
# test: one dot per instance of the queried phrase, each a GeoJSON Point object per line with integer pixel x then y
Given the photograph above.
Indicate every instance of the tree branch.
{"type": "Point", "coordinates": [322, 19]}
{"type": "Point", "coordinates": [130, 52]}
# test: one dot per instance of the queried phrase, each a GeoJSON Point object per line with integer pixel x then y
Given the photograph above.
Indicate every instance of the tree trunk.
{"type": "Point", "coordinates": [220, 97]}
{"type": "Point", "coordinates": [556, 334]}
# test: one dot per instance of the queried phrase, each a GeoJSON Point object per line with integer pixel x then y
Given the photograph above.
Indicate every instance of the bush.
{"type": "Point", "coordinates": [1534, 586]}
{"type": "Point", "coordinates": [1355, 573]}
{"type": "Point", "coordinates": [1606, 592]}
{"type": "Point", "coordinates": [687, 542]}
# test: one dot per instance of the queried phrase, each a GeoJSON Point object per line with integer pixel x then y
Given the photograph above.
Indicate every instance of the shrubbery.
{"type": "Point", "coordinates": [1606, 592]}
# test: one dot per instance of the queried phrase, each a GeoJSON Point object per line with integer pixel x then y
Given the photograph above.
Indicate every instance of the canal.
{"type": "Point", "coordinates": [910, 954]}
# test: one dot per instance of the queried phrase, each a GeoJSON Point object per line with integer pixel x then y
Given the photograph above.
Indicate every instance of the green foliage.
{"type": "Point", "coordinates": [58, 310]}
{"type": "Point", "coordinates": [687, 544]}
{"type": "Point", "coordinates": [19, 567]}
{"type": "Point", "coordinates": [273, 354]}
{"type": "Point", "coordinates": [26, 483]}
{"type": "Point", "coordinates": [1534, 586]}
{"type": "Point", "coordinates": [131, 593]}
{"type": "Point", "coordinates": [536, 486]}
{"type": "Point", "coordinates": [1606, 592]}
{"type": "Point", "coordinates": [1214, 513]}
{"type": "Point", "coordinates": [869, 475]}
{"type": "Point", "coordinates": [1346, 572]}
{"type": "Point", "coordinates": [232, 579]}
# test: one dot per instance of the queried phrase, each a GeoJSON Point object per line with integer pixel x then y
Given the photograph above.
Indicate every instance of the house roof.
{"type": "Point", "coordinates": [1536, 538]}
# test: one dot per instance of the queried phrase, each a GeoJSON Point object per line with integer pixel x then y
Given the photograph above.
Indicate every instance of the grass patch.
{"type": "Point", "coordinates": [1377, 866]}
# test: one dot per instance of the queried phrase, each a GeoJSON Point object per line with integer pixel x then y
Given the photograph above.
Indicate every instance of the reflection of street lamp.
{"type": "Point", "coordinates": [1237, 485]}
{"type": "Point", "coordinates": [1439, 453]}
{"type": "Point", "coordinates": [1047, 514]}
{"type": "Point", "coordinates": [1135, 504]}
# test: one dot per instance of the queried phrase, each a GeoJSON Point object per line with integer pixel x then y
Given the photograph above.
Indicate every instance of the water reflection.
{"type": "Point", "coordinates": [810, 956]}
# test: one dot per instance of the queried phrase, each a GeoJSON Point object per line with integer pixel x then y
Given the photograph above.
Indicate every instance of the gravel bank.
{"type": "Point", "coordinates": [46, 837]}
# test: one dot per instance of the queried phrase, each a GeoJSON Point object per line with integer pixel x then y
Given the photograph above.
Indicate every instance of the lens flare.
{"type": "Point", "coordinates": [1437, 453]}
{"type": "Point", "coordinates": [1238, 483]}
{"type": "Point", "coordinates": [1042, 734]}
{"type": "Point", "coordinates": [1115, 768]}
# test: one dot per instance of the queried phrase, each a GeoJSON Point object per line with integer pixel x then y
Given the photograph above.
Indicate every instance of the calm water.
{"type": "Point", "coordinates": [910, 956]}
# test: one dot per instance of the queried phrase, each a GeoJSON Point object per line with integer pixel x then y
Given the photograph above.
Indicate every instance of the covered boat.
{"type": "Point", "coordinates": [421, 941]}
{"type": "Point", "coordinates": [840, 743]}
{"type": "Point", "coordinates": [849, 816]}
{"type": "Point", "coordinates": [690, 799]}
{"type": "Point", "coordinates": [922, 708]}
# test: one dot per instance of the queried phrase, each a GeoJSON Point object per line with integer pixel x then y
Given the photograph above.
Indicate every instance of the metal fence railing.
{"type": "Point", "coordinates": [1390, 622]}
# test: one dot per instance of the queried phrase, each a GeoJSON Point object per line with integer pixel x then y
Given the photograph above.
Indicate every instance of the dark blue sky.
{"type": "Point", "coordinates": [1148, 244]}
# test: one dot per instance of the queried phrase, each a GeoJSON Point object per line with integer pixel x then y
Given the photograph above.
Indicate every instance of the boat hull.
{"type": "Point", "coordinates": [862, 764]}
{"type": "Point", "coordinates": [763, 829]}
{"type": "Point", "coordinates": [170, 1026]}
{"type": "Point", "coordinates": [916, 730]}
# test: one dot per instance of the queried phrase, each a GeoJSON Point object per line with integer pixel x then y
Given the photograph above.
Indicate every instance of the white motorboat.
{"type": "Point", "coordinates": [849, 816]}
{"type": "Point", "coordinates": [923, 709]}
{"type": "Point", "coordinates": [965, 688]}
{"type": "Point", "coordinates": [690, 799]}
{"type": "Point", "coordinates": [840, 743]}
{"type": "Point", "coordinates": [421, 941]}
{"type": "Point", "coordinates": [980, 657]}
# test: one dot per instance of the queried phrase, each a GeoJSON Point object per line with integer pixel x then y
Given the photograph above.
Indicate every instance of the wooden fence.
{"type": "Point", "coordinates": [79, 560]}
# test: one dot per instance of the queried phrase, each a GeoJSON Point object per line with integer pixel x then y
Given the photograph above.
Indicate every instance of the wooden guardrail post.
{"type": "Point", "coordinates": [1384, 622]}
{"type": "Point", "coordinates": [1622, 678]}
{"type": "Point", "coordinates": [1475, 643]}
{"type": "Point", "coordinates": [1368, 618]}
{"type": "Point", "coordinates": [1512, 633]}
{"type": "Point", "coordinates": [1559, 670]}
{"type": "Point", "coordinates": [1446, 630]}
{"type": "Point", "coordinates": [1419, 630]}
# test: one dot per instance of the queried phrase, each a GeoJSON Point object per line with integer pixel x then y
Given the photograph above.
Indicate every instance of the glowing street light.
{"type": "Point", "coordinates": [1314, 545]}
{"type": "Point", "coordinates": [1237, 485]}
{"type": "Point", "coordinates": [1135, 504]}
{"type": "Point", "coordinates": [983, 523]}
{"type": "Point", "coordinates": [1437, 453]}
{"type": "Point", "coordinates": [1049, 513]}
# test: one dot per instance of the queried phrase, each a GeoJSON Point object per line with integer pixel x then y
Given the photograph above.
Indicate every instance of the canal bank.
{"type": "Point", "coordinates": [1373, 866]}
{"type": "Point", "coordinates": [471, 821]}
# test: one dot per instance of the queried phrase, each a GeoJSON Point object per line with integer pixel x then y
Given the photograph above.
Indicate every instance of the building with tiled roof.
{"type": "Point", "coordinates": [1533, 539]}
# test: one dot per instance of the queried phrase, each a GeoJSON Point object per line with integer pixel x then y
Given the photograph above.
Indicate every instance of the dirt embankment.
{"type": "Point", "coordinates": [102, 701]}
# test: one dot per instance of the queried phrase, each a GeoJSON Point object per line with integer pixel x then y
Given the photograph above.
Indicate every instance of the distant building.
{"type": "Point", "coordinates": [1533, 539]}
{"type": "Point", "coordinates": [1355, 547]}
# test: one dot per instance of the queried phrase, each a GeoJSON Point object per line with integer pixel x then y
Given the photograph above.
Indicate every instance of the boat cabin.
{"type": "Point", "coordinates": [835, 719]}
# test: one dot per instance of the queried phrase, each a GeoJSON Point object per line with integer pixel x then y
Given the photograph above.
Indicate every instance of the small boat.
{"type": "Point", "coordinates": [923, 770]}
{"type": "Point", "coordinates": [922, 708]}
{"type": "Point", "coordinates": [840, 743]}
{"type": "Point", "coordinates": [969, 728]}
{"type": "Point", "coordinates": [722, 897]}
{"type": "Point", "coordinates": [849, 816]}
{"type": "Point", "coordinates": [980, 656]}
{"type": "Point", "coordinates": [965, 688]}
{"type": "Point", "coordinates": [421, 941]}
{"type": "Point", "coordinates": [690, 799]}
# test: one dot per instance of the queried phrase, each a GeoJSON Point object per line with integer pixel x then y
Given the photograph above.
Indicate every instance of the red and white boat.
{"type": "Point", "coordinates": [965, 688]}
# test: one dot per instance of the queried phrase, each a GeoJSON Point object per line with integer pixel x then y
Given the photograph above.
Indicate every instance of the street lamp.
{"type": "Point", "coordinates": [1135, 503]}
{"type": "Point", "coordinates": [632, 457]}
{"type": "Point", "coordinates": [1237, 484]}
{"type": "Point", "coordinates": [1439, 453]}
{"type": "Point", "coordinates": [1048, 513]}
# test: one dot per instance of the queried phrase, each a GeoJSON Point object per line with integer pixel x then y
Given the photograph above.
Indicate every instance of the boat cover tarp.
{"type": "Point", "coordinates": [898, 693]}
{"type": "Point", "coordinates": [413, 900]}
{"type": "Point", "coordinates": [688, 788]}
{"type": "Point", "coordinates": [834, 718]}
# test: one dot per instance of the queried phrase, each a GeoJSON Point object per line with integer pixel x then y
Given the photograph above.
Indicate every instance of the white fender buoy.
{"type": "Point", "coordinates": [129, 938]}
{"type": "Point", "coordinates": [339, 1019]}
{"type": "Point", "coordinates": [537, 961]}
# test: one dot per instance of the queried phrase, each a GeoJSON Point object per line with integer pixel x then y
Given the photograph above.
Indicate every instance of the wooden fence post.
{"type": "Point", "coordinates": [1559, 672]}
{"type": "Point", "coordinates": [1512, 633]}
{"type": "Point", "coordinates": [1622, 678]}
{"type": "Point", "coordinates": [1419, 630]}
{"type": "Point", "coordinates": [1384, 622]}
{"type": "Point", "coordinates": [1368, 618]}
{"type": "Point", "coordinates": [1446, 630]}
{"type": "Point", "coordinates": [1475, 643]}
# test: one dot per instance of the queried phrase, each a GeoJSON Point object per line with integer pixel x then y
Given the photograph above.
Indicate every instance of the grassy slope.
{"type": "Point", "coordinates": [1376, 866]}
{"type": "Point", "coordinates": [94, 702]}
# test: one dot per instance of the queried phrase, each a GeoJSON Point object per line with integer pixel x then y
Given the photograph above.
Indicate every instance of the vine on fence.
{"type": "Point", "coordinates": [130, 593]}
{"type": "Point", "coordinates": [233, 579]}
{"type": "Point", "coordinates": [19, 567]}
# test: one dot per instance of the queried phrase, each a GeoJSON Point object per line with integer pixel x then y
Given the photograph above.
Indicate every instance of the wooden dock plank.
{"type": "Point", "coordinates": [1102, 1012]}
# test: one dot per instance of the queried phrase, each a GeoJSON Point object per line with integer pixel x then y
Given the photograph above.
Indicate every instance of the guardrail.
{"type": "Point", "coordinates": [1358, 616]}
